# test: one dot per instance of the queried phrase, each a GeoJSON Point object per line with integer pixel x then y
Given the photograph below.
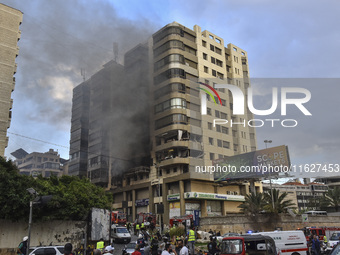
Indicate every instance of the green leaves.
{"type": "Point", "coordinates": [256, 203]}
{"type": "Point", "coordinates": [72, 197]}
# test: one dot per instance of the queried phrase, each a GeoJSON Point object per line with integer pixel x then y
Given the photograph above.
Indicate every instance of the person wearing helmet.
{"type": "Point", "coordinates": [141, 243]}
{"type": "Point", "coordinates": [22, 248]}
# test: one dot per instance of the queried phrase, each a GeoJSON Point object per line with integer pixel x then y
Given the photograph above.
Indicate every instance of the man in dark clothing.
{"type": "Point", "coordinates": [22, 248]}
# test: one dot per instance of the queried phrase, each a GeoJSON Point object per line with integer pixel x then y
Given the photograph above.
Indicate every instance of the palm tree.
{"type": "Point", "coordinates": [333, 198]}
{"type": "Point", "coordinates": [253, 203]}
{"type": "Point", "coordinates": [281, 203]}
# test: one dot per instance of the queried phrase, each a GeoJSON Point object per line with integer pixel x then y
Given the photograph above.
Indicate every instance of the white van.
{"type": "Point", "coordinates": [333, 240]}
{"type": "Point", "coordinates": [120, 234]}
{"type": "Point", "coordinates": [289, 242]}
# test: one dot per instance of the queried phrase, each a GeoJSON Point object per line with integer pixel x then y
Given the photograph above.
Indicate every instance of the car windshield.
{"type": "Point", "coordinates": [335, 237]}
{"type": "Point", "coordinates": [232, 246]}
{"type": "Point", "coordinates": [61, 249]}
{"type": "Point", "coordinates": [122, 230]}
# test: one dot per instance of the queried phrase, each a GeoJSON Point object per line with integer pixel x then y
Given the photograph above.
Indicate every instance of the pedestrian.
{"type": "Point", "coordinates": [147, 249]}
{"type": "Point", "coordinates": [183, 249]}
{"type": "Point", "coordinates": [22, 248]}
{"type": "Point", "coordinates": [108, 250]}
{"type": "Point", "coordinates": [191, 241]}
{"type": "Point", "coordinates": [68, 249]}
{"type": "Point", "coordinates": [100, 245]}
{"type": "Point", "coordinates": [141, 243]}
{"type": "Point", "coordinates": [97, 252]}
{"type": "Point", "coordinates": [136, 252]}
{"type": "Point", "coordinates": [316, 246]}
{"type": "Point", "coordinates": [137, 229]}
{"type": "Point", "coordinates": [168, 250]}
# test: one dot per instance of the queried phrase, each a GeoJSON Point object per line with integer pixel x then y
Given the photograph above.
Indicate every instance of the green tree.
{"type": "Point", "coordinates": [281, 203]}
{"type": "Point", "coordinates": [253, 204]}
{"type": "Point", "coordinates": [14, 199]}
{"type": "Point", "coordinates": [332, 198]}
{"type": "Point", "coordinates": [72, 199]}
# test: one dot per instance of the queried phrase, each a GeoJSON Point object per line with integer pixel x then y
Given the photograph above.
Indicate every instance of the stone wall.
{"type": "Point", "coordinates": [263, 222]}
{"type": "Point", "coordinates": [42, 233]}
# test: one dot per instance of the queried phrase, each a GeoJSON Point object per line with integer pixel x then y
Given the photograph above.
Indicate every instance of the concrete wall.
{"type": "Point", "coordinates": [44, 233]}
{"type": "Point", "coordinates": [239, 223]}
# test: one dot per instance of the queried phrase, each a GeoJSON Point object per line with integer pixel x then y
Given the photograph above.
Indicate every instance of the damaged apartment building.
{"type": "Point", "coordinates": [138, 129]}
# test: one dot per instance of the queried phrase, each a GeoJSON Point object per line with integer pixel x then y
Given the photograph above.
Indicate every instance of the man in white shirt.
{"type": "Point", "coordinates": [184, 250]}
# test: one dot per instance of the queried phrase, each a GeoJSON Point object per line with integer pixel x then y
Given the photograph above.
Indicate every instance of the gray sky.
{"type": "Point", "coordinates": [284, 39]}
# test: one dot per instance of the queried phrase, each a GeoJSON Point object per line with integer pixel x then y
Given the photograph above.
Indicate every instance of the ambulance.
{"type": "Point", "coordinates": [289, 242]}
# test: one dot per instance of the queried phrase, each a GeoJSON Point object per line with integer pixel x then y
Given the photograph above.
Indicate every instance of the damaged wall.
{"type": "Point", "coordinates": [44, 233]}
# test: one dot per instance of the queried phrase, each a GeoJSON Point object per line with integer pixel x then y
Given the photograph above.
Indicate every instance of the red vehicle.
{"type": "Point", "coordinates": [181, 219]}
{"type": "Point", "coordinates": [249, 245]}
{"type": "Point", "coordinates": [147, 218]}
{"type": "Point", "coordinates": [118, 217]}
{"type": "Point", "coordinates": [319, 231]}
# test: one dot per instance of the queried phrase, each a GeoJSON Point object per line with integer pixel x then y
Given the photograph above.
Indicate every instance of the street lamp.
{"type": "Point", "coordinates": [270, 177]}
{"type": "Point", "coordinates": [35, 194]}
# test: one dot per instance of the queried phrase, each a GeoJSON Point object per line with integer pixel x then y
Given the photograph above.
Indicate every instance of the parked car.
{"type": "Point", "coordinates": [50, 250]}
{"type": "Point", "coordinates": [120, 234]}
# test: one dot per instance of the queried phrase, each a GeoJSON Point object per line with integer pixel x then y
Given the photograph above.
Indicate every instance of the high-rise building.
{"type": "Point", "coordinates": [164, 121]}
{"type": "Point", "coordinates": [9, 37]}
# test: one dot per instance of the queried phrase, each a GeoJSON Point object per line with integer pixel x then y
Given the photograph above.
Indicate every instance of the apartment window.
{"type": "Point", "coordinates": [225, 130]}
{"type": "Point", "coordinates": [212, 156]}
{"type": "Point", "coordinates": [228, 69]}
{"type": "Point", "coordinates": [234, 49]}
{"type": "Point", "coordinates": [213, 72]}
{"type": "Point", "coordinates": [218, 50]}
{"type": "Point", "coordinates": [211, 37]}
{"type": "Point", "coordinates": [224, 102]}
{"type": "Point", "coordinates": [211, 141]}
{"type": "Point", "coordinates": [220, 75]}
{"type": "Point", "coordinates": [168, 171]}
{"type": "Point", "coordinates": [219, 63]}
{"type": "Point", "coordinates": [243, 53]}
{"type": "Point", "coordinates": [209, 111]}
{"type": "Point", "coordinates": [224, 116]}
{"type": "Point", "coordinates": [212, 47]}
{"type": "Point", "coordinates": [209, 125]}
{"type": "Point", "coordinates": [219, 143]}
{"type": "Point", "coordinates": [218, 128]}
{"type": "Point", "coordinates": [218, 40]}
{"type": "Point", "coordinates": [204, 43]}
{"type": "Point", "coordinates": [236, 59]}
{"type": "Point", "coordinates": [220, 156]}
{"type": "Point", "coordinates": [213, 60]}
{"type": "Point", "coordinates": [206, 69]}
{"type": "Point", "coordinates": [217, 113]}
{"type": "Point", "coordinates": [205, 56]}
{"type": "Point", "coordinates": [206, 81]}
{"type": "Point", "coordinates": [226, 144]}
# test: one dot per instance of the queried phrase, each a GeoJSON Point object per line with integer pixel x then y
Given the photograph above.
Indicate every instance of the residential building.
{"type": "Point", "coordinates": [10, 35]}
{"type": "Point", "coordinates": [165, 135]}
{"type": "Point", "coordinates": [302, 195]}
{"type": "Point", "coordinates": [37, 163]}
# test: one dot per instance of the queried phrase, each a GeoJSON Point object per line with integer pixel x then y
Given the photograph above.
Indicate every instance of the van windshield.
{"type": "Point", "coordinates": [122, 230]}
{"type": "Point", "coordinates": [335, 237]}
{"type": "Point", "coordinates": [231, 246]}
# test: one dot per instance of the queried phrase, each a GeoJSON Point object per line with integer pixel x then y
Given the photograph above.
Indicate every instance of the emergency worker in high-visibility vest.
{"type": "Point", "coordinates": [137, 229]}
{"type": "Point", "coordinates": [191, 241]}
{"type": "Point", "coordinates": [100, 245]}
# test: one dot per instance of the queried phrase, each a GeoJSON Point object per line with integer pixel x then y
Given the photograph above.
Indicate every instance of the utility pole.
{"type": "Point", "coordinates": [270, 178]}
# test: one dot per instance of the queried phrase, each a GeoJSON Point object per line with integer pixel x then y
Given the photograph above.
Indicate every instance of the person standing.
{"type": "Point", "coordinates": [22, 248]}
{"type": "Point", "coordinates": [68, 249]}
{"type": "Point", "coordinates": [100, 245]}
{"type": "Point", "coordinates": [191, 241]}
{"type": "Point", "coordinates": [137, 229]}
{"type": "Point", "coordinates": [316, 246]}
{"type": "Point", "coordinates": [183, 249]}
{"type": "Point", "coordinates": [136, 252]}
